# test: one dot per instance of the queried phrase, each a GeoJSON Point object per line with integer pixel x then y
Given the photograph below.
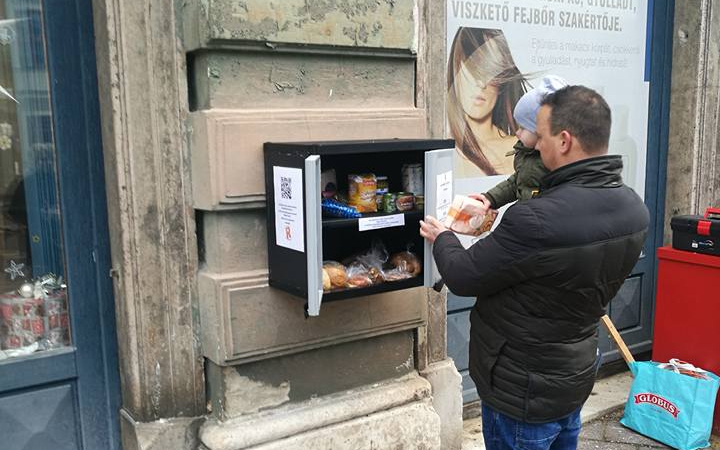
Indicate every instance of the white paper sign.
{"type": "Point", "coordinates": [373, 223]}
{"type": "Point", "coordinates": [289, 220]}
{"type": "Point", "coordinates": [444, 194]}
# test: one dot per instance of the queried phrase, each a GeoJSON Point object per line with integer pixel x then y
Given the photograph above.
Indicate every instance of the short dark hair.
{"type": "Point", "coordinates": [584, 113]}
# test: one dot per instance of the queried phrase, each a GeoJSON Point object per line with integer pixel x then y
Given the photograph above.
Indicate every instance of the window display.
{"type": "Point", "coordinates": [33, 295]}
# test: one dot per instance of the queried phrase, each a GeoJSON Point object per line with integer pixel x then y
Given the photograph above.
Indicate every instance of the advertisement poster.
{"type": "Point", "coordinates": [497, 50]}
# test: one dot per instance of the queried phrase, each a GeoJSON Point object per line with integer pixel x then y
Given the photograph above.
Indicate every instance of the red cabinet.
{"type": "Point", "coordinates": [687, 311]}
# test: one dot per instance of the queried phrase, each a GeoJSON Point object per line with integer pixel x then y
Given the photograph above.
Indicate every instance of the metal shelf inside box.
{"type": "Point", "coordinates": [342, 294]}
{"type": "Point", "coordinates": [336, 222]}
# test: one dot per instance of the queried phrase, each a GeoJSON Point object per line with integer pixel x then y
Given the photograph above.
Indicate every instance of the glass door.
{"type": "Point", "coordinates": [59, 379]}
{"type": "Point", "coordinates": [33, 296]}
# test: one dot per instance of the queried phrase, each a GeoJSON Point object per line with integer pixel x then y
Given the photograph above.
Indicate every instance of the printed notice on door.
{"type": "Point", "coordinates": [444, 194]}
{"type": "Point", "coordinates": [289, 220]}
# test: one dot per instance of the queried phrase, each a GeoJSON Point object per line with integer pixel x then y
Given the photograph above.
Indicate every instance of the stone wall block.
{"type": "Point", "coordinates": [251, 387]}
{"type": "Point", "coordinates": [393, 414]}
{"type": "Point", "coordinates": [227, 145]}
{"type": "Point", "coordinates": [234, 241]}
{"type": "Point", "coordinates": [263, 80]}
{"type": "Point", "coordinates": [447, 401]}
{"type": "Point", "coordinates": [172, 434]}
{"type": "Point", "coordinates": [361, 24]}
{"type": "Point", "coordinates": [243, 319]}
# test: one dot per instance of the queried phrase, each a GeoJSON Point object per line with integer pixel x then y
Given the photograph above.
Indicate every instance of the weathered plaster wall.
{"type": "Point", "coordinates": [372, 24]}
{"type": "Point", "coordinates": [189, 91]}
{"type": "Point", "coordinates": [693, 166]}
{"type": "Point", "coordinates": [152, 230]}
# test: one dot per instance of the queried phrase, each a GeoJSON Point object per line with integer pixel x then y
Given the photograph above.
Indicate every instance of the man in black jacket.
{"type": "Point", "coordinates": [544, 277]}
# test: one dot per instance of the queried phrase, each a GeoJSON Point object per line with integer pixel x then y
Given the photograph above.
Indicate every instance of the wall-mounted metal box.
{"type": "Point", "coordinates": [301, 238]}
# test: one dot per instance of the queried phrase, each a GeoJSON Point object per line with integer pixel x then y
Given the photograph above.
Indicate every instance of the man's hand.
{"type": "Point", "coordinates": [482, 199]}
{"type": "Point", "coordinates": [430, 228]}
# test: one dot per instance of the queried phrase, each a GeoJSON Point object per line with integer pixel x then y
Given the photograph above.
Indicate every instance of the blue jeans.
{"type": "Point", "coordinates": [505, 433]}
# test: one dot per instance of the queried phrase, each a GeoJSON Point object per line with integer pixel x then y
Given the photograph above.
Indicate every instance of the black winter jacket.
{"type": "Point", "coordinates": [542, 279]}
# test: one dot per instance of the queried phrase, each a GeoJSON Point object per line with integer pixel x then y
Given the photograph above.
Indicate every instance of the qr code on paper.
{"type": "Point", "coordinates": [286, 188]}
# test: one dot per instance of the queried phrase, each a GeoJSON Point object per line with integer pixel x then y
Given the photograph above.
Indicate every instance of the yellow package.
{"type": "Point", "coordinates": [361, 192]}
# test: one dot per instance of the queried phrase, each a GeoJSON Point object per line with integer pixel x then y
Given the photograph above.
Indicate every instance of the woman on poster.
{"type": "Point", "coordinates": [483, 86]}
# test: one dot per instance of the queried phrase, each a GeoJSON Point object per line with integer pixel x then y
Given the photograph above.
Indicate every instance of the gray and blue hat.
{"type": "Point", "coordinates": [526, 109]}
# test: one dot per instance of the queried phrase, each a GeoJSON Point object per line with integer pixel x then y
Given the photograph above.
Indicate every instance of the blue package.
{"type": "Point", "coordinates": [336, 209]}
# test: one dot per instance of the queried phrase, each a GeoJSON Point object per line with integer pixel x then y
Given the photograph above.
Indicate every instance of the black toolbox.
{"type": "Point", "coordinates": [699, 234]}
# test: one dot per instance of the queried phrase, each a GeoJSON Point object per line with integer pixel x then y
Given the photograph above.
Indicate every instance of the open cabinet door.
{"type": "Point", "coordinates": [438, 198]}
{"type": "Point", "coordinates": [314, 245]}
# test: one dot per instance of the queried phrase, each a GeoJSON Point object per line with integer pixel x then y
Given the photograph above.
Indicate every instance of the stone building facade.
{"type": "Point", "coordinates": [210, 356]}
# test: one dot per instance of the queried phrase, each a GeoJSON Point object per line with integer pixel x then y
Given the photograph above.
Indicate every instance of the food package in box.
{"type": "Point", "coordinates": [466, 216]}
{"type": "Point", "coordinates": [361, 192]}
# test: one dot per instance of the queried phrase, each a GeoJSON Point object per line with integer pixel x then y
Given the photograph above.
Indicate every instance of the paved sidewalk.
{"type": "Point", "coordinates": [601, 421]}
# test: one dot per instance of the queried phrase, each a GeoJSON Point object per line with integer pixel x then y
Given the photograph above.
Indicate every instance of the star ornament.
{"type": "Point", "coordinates": [15, 270]}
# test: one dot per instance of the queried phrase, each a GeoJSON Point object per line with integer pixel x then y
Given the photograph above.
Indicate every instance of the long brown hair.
{"type": "Point", "coordinates": [484, 52]}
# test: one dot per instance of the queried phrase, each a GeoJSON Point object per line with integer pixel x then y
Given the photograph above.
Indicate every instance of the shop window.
{"type": "Point", "coordinates": [33, 297]}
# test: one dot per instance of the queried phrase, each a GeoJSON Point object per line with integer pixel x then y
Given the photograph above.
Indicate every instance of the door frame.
{"type": "Point", "coordinates": [663, 12]}
{"type": "Point", "coordinates": [91, 363]}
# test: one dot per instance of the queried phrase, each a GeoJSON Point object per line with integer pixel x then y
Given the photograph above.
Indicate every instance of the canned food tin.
{"type": "Point", "coordinates": [389, 202]}
{"type": "Point", "coordinates": [382, 189]}
{"type": "Point", "coordinates": [419, 202]}
{"type": "Point", "coordinates": [382, 184]}
{"type": "Point", "coordinates": [405, 201]}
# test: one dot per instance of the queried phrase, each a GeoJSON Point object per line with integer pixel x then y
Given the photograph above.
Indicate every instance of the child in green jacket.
{"type": "Point", "coordinates": [529, 168]}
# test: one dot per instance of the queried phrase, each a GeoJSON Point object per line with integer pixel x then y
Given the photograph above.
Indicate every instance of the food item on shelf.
{"type": "Point", "coordinates": [382, 183]}
{"type": "Point", "coordinates": [361, 192]}
{"type": "Point", "coordinates": [407, 262]}
{"type": "Point", "coordinates": [396, 274]}
{"type": "Point", "coordinates": [382, 189]}
{"type": "Point", "coordinates": [337, 274]}
{"type": "Point", "coordinates": [359, 281]}
{"type": "Point", "coordinates": [358, 276]}
{"type": "Point", "coordinates": [466, 216]}
{"type": "Point", "coordinates": [328, 183]}
{"type": "Point", "coordinates": [335, 208]}
{"type": "Point", "coordinates": [419, 202]}
{"type": "Point", "coordinates": [372, 267]}
{"type": "Point", "coordinates": [412, 178]}
{"type": "Point", "coordinates": [405, 201]}
{"type": "Point", "coordinates": [389, 205]}
{"type": "Point", "coordinates": [326, 280]}
{"type": "Point", "coordinates": [376, 275]}
{"type": "Point", "coordinates": [366, 269]}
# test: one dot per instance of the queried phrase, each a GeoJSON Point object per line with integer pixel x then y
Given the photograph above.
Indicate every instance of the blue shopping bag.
{"type": "Point", "coordinates": [673, 408]}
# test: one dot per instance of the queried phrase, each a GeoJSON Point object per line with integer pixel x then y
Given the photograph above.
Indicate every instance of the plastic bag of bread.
{"type": "Point", "coordinates": [396, 274]}
{"type": "Point", "coordinates": [467, 216]}
{"type": "Point", "coordinates": [358, 276]}
{"type": "Point", "coordinates": [362, 190]}
{"type": "Point", "coordinates": [374, 259]}
{"type": "Point", "coordinates": [406, 262]}
{"type": "Point", "coordinates": [334, 275]}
